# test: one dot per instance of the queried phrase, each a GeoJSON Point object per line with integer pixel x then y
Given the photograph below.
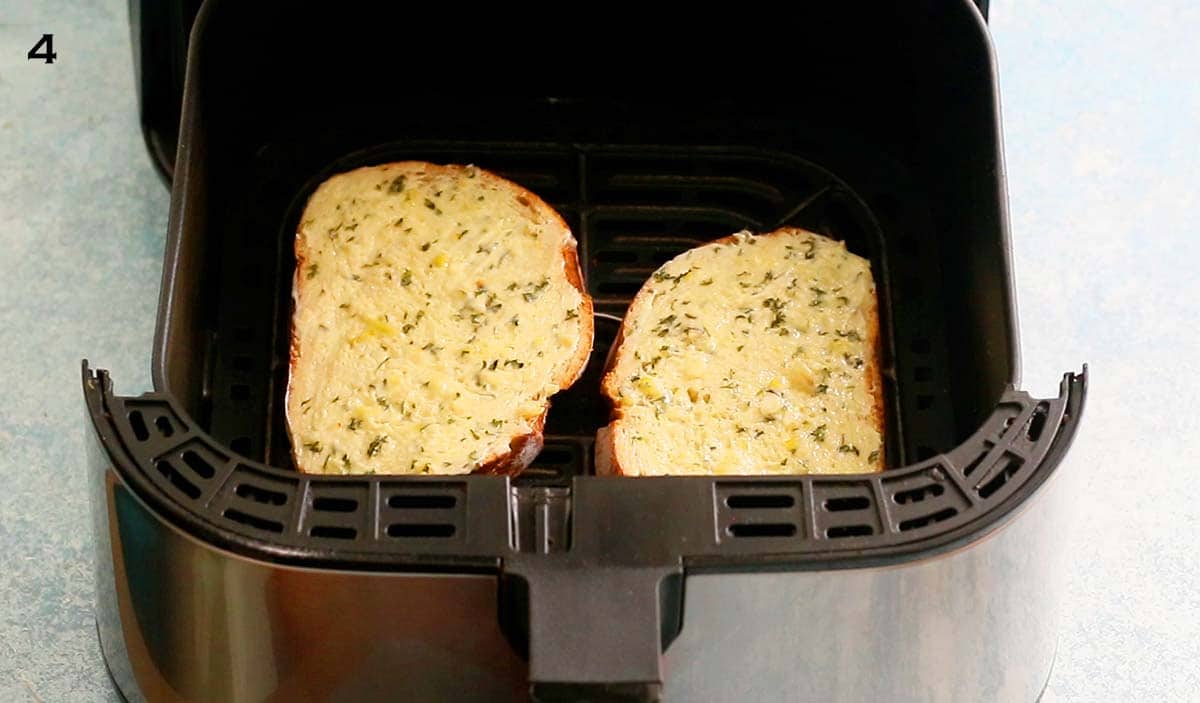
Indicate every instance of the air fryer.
{"type": "Point", "coordinates": [223, 574]}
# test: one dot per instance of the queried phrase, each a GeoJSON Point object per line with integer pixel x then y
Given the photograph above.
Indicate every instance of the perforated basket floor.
{"type": "Point", "coordinates": [631, 209]}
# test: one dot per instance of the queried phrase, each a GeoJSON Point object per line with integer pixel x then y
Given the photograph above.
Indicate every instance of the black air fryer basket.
{"type": "Point", "coordinates": [226, 575]}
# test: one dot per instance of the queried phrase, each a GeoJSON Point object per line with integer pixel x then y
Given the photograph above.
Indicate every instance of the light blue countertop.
{"type": "Point", "coordinates": [1102, 121]}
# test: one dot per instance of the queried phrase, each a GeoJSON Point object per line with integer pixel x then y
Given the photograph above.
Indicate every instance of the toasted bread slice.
{"type": "Point", "coordinates": [436, 310]}
{"type": "Point", "coordinates": [749, 355]}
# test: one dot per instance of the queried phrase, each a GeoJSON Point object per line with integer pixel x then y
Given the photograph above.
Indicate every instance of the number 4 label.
{"type": "Point", "coordinates": [44, 49]}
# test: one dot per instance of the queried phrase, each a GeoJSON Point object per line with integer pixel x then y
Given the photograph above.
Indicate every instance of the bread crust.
{"type": "Point", "coordinates": [607, 454]}
{"type": "Point", "coordinates": [523, 448]}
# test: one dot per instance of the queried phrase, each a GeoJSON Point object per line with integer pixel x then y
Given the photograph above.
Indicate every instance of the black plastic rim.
{"type": "Point", "coordinates": [457, 523]}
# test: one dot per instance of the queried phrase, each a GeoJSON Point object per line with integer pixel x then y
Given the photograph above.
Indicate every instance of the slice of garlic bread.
{"type": "Point", "coordinates": [436, 310]}
{"type": "Point", "coordinates": [749, 355]}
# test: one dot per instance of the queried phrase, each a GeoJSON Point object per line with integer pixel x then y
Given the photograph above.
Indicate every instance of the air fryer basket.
{"type": "Point", "coordinates": [590, 572]}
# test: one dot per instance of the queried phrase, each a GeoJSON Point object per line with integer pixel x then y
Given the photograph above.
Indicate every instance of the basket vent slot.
{"type": "Point", "coordinates": [620, 288]}
{"type": "Point", "coordinates": [914, 523]}
{"type": "Point", "coordinates": [335, 505]}
{"type": "Point", "coordinates": [253, 520]}
{"type": "Point", "coordinates": [172, 474]}
{"type": "Point", "coordinates": [838, 505]}
{"type": "Point", "coordinates": [849, 531]}
{"type": "Point", "coordinates": [333, 532]}
{"type": "Point", "coordinates": [616, 256]}
{"type": "Point", "coordinates": [555, 456]}
{"type": "Point", "coordinates": [258, 494]}
{"type": "Point", "coordinates": [164, 426]}
{"type": "Point", "coordinates": [138, 423]}
{"type": "Point", "coordinates": [1037, 423]}
{"type": "Point", "coordinates": [752, 501]}
{"type": "Point", "coordinates": [422, 502]}
{"type": "Point", "coordinates": [420, 530]}
{"type": "Point", "coordinates": [974, 465]}
{"type": "Point", "coordinates": [662, 256]}
{"type": "Point", "coordinates": [918, 494]}
{"type": "Point", "coordinates": [763, 529]}
{"type": "Point", "coordinates": [198, 464]}
{"type": "Point", "coordinates": [997, 482]}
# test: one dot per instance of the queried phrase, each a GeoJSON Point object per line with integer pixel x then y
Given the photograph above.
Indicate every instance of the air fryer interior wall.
{"type": "Point", "coordinates": [848, 152]}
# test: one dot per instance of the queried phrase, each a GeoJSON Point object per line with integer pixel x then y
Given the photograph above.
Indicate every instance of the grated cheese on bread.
{"type": "Point", "coordinates": [749, 355]}
{"type": "Point", "coordinates": [436, 310]}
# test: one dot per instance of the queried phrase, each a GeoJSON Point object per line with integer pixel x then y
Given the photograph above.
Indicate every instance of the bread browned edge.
{"type": "Point", "coordinates": [522, 449]}
{"type": "Point", "coordinates": [607, 459]}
